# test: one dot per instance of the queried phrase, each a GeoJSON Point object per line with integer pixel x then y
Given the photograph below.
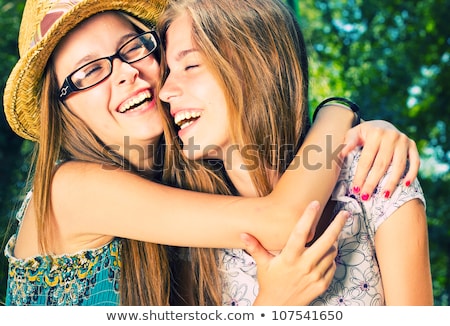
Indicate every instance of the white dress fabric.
{"type": "Point", "coordinates": [357, 281]}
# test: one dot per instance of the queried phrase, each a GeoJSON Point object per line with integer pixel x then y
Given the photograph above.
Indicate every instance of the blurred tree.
{"type": "Point", "coordinates": [392, 58]}
{"type": "Point", "coordinates": [13, 169]}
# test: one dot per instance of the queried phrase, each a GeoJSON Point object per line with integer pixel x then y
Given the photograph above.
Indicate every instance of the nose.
{"type": "Point", "coordinates": [123, 73]}
{"type": "Point", "coordinates": [169, 90]}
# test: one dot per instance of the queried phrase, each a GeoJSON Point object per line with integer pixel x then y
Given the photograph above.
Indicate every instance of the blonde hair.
{"type": "Point", "coordinates": [256, 51]}
{"type": "Point", "coordinates": [145, 274]}
{"type": "Point", "coordinates": [203, 176]}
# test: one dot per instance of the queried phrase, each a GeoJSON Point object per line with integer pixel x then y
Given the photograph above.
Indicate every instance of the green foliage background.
{"type": "Point", "coordinates": [391, 57]}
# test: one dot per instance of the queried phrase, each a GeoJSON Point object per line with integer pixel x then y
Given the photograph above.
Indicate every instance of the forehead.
{"type": "Point", "coordinates": [100, 23]}
{"type": "Point", "coordinates": [179, 33]}
{"type": "Point", "coordinates": [97, 36]}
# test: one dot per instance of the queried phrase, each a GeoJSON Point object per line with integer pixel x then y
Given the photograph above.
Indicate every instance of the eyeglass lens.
{"type": "Point", "coordinates": [96, 71]}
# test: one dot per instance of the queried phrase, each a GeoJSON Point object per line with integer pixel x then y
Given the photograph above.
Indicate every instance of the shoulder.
{"type": "Point", "coordinates": [76, 193]}
{"type": "Point", "coordinates": [70, 180]}
{"type": "Point", "coordinates": [78, 177]}
{"type": "Point", "coordinates": [78, 169]}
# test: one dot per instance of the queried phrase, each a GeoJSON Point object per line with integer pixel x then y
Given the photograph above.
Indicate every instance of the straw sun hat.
{"type": "Point", "coordinates": [44, 23]}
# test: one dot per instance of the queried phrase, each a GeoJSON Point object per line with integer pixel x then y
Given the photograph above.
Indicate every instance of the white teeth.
{"type": "Point", "coordinates": [135, 101]}
{"type": "Point", "coordinates": [187, 123]}
{"type": "Point", "coordinates": [183, 118]}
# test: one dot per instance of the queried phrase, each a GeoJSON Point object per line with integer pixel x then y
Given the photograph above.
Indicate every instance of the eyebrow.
{"type": "Point", "coordinates": [184, 53]}
{"type": "Point", "coordinates": [92, 56]}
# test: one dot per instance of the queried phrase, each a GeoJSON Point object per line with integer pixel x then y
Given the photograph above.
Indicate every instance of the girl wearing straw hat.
{"type": "Point", "coordinates": [82, 233]}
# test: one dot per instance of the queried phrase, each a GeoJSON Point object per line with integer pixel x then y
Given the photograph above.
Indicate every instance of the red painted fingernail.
{"type": "Point", "coordinates": [408, 183]}
{"type": "Point", "coordinates": [387, 193]}
{"type": "Point", "coordinates": [356, 189]}
{"type": "Point", "coordinates": [365, 197]}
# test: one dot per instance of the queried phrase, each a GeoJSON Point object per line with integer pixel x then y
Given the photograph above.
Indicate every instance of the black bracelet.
{"type": "Point", "coordinates": [353, 106]}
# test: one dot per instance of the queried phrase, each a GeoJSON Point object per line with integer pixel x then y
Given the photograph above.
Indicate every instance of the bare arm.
{"type": "Point", "coordinates": [319, 158]}
{"type": "Point", "coordinates": [90, 200]}
{"type": "Point", "coordinates": [402, 250]}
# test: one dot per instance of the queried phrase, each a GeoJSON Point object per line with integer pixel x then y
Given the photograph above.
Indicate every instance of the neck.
{"type": "Point", "coordinates": [239, 174]}
{"type": "Point", "coordinates": [142, 156]}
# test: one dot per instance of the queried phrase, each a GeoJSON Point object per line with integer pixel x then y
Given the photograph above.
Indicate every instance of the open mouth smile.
{"type": "Point", "coordinates": [184, 119]}
{"type": "Point", "coordinates": [135, 103]}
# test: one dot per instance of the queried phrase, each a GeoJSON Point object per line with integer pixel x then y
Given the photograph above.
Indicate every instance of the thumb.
{"type": "Point", "coordinates": [352, 139]}
{"type": "Point", "coordinates": [255, 249]}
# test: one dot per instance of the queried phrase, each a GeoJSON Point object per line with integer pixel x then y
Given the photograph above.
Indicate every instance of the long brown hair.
{"type": "Point", "coordinates": [145, 275]}
{"type": "Point", "coordinates": [256, 51]}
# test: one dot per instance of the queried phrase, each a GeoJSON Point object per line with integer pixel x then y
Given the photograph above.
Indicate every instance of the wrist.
{"type": "Point", "coordinates": [341, 103]}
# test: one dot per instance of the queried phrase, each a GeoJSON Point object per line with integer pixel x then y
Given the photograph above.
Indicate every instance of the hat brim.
{"type": "Point", "coordinates": [22, 91]}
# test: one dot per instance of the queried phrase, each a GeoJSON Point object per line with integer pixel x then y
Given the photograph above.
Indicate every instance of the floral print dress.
{"type": "Point", "coordinates": [357, 280]}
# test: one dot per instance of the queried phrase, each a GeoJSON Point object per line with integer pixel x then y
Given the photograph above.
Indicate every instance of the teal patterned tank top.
{"type": "Point", "coordinates": [86, 278]}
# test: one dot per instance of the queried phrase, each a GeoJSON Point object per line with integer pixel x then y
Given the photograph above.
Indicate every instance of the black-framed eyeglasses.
{"type": "Point", "coordinates": [96, 71]}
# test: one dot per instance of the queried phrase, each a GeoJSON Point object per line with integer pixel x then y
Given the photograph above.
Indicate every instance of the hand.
{"type": "Point", "coordinates": [384, 145]}
{"type": "Point", "coordinates": [298, 274]}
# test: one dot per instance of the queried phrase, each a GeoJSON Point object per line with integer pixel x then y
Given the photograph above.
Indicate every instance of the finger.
{"type": "Point", "coordinates": [351, 141]}
{"type": "Point", "coordinates": [328, 239]}
{"type": "Point", "coordinates": [327, 260]}
{"type": "Point", "coordinates": [397, 167]}
{"type": "Point", "coordinates": [387, 156]}
{"type": "Point", "coordinates": [325, 271]}
{"type": "Point", "coordinates": [414, 163]}
{"type": "Point", "coordinates": [313, 228]}
{"type": "Point", "coordinates": [255, 249]}
{"type": "Point", "coordinates": [366, 160]}
{"type": "Point", "coordinates": [397, 164]}
{"type": "Point", "coordinates": [394, 176]}
{"type": "Point", "coordinates": [296, 243]}
{"type": "Point", "coordinates": [329, 274]}
{"type": "Point", "coordinates": [312, 233]}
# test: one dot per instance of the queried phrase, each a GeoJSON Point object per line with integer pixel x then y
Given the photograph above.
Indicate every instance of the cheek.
{"type": "Point", "coordinates": [220, 108]}
{"type": "Point", "coordinates": [90, 105]}
{"type": "Point", "coordinates": [149, 69]}
{"type": "Point", "coordinates": [212, 95]}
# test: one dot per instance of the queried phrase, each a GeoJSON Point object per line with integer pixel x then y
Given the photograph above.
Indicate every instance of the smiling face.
{"type": "Point", "coordinates": [121, 110]}
{"type": "Point", "coordinates": [197, 101]}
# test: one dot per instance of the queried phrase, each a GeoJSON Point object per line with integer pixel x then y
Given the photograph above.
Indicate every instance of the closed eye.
{"type": "Point", "coordinates": [191, 67]}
